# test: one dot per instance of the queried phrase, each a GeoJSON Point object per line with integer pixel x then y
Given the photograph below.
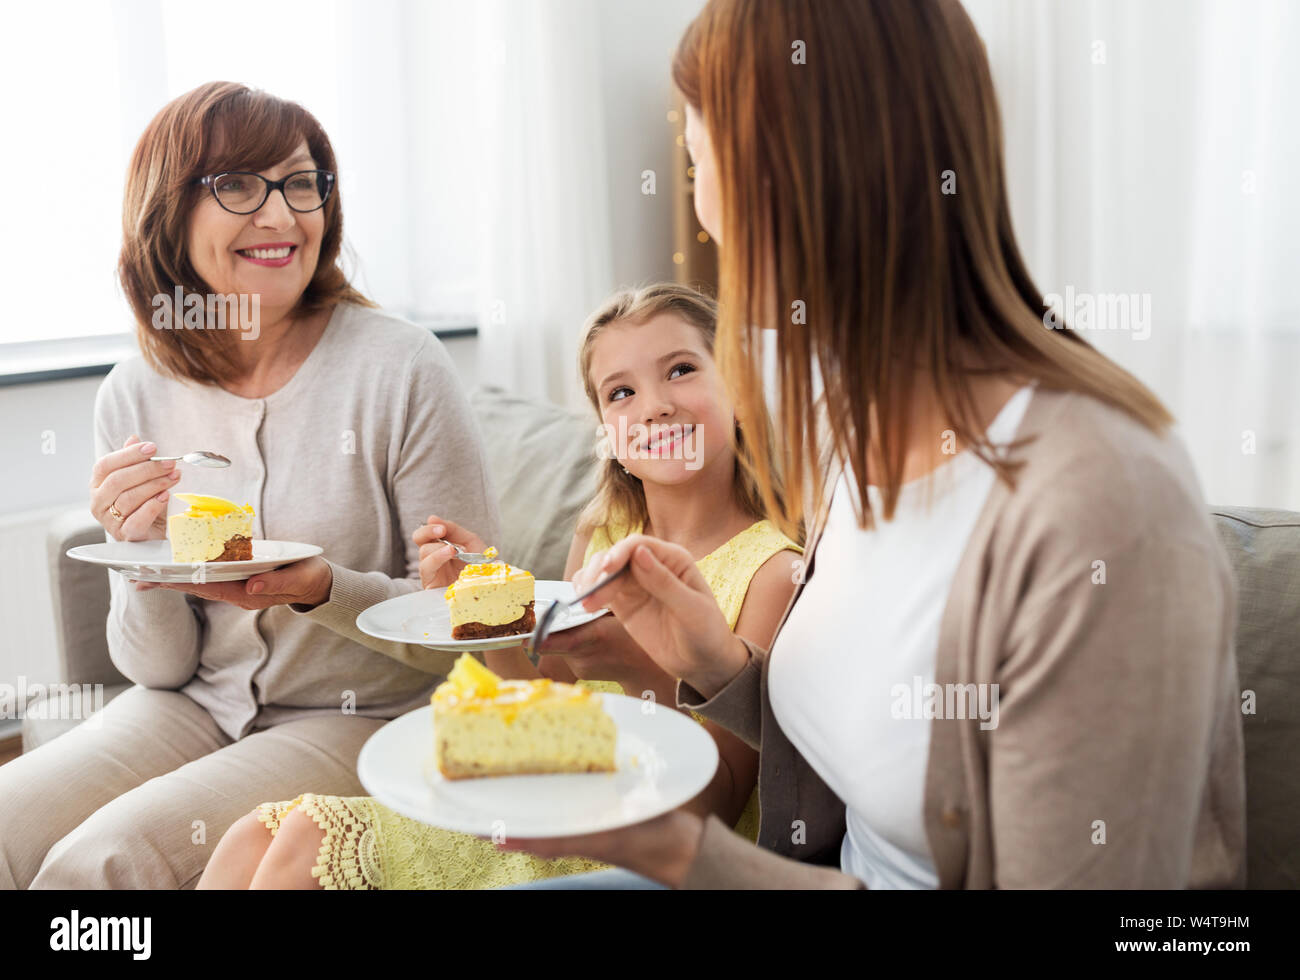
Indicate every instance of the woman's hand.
{"type": "Point", "coordinates": [438, 563]}
{"type": "Point", "coordinates": [667, 607]}
{"type": "Point", "coordinates": [128, 492]}
{"type": "Point", "coordinates": [603, 650]}
{"type": "Point", "coordinates": [307, 582]}
{"type": "Point", "coordinates": [662, 849]}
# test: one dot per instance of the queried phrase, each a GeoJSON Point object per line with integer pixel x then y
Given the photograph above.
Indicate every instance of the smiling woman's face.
{"type": "Point", "coordinates": [271, 252]}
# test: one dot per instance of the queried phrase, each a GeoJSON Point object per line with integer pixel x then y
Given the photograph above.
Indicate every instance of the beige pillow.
{"type": "Point", "coordinates": [1264, 548]}
{"type": "Point", "coordinates": [543, 463]}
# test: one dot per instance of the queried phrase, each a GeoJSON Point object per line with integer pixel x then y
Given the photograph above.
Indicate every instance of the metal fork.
{"type": "Point", "coordinates": [543, 627]}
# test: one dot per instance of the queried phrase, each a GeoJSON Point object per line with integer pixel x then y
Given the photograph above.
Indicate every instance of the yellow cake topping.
{"type": "Point", "coordinates": [205, 506]}
{"type": "Point", "coordinates": [495, 568]}
{"type": "Point", "coordinates": [471, 686]}
{"type": "Point", "coordinates": [470, 678]}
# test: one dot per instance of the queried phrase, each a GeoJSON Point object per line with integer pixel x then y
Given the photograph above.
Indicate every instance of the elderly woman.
{"type": "Point", "coordinates": [346, 427]}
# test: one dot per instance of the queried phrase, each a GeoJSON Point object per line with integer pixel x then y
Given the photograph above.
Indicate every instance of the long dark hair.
{"type": "Point", "coordinates": [836, 125]}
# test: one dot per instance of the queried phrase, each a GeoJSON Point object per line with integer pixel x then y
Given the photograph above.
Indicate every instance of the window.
{"type": "Point", "coordinates": [386, 79]}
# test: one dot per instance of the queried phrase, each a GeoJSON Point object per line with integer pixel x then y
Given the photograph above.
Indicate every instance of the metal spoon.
{"type": "Point", "coordinates": [468, 557]}
{"type": "Point", "coordinates": [198, 458]}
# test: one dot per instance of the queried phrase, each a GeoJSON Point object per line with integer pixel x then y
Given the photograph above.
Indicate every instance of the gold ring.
{"type": "Point", "coordinates": [112, 509]}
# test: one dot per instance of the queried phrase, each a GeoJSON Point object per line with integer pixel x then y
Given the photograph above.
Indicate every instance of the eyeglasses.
{"type": "Point", "coordinates": [243, 192]}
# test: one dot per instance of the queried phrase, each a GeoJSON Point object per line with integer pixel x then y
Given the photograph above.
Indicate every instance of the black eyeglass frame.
{"type": "Point", "coordinates": [328, 176]}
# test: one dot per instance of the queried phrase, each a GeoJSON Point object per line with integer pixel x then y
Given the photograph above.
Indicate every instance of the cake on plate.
{"type": "Point", "coordinates": [491, 599]}
{"type": "Point", "coordinates": [212, 529]}
{"type": "Point", "coordinates": [486, 726]}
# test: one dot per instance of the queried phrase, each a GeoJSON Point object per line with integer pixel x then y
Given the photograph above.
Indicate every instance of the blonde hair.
{"type": "Point", "coordinates": [620, 497]}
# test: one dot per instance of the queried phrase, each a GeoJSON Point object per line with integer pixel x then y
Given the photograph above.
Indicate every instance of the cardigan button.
{"type": "Point", "coordinates": [951, 817]}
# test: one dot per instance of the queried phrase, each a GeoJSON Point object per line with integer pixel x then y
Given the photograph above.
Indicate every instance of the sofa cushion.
{"type": "Point", "coordinates": [1264, 548]}
{"type": "Point", "coordinates": [79, 593]}
{"type": "Point", "coordinates": [48, 717]}
{"type": "Point", "coordinates": [543, 462]}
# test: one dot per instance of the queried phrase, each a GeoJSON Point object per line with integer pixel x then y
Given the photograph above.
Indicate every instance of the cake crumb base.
{"type": "Point", "coordinates": [238, 548]}
{"type": "Point", "coordinates": [481, 631]}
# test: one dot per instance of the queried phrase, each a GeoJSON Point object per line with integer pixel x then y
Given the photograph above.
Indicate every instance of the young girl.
{"type": "Point", "coordinates": [672, 471]}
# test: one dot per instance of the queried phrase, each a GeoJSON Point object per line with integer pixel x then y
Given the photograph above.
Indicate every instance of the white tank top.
{"type": "Point", "coordinates": [849, 668]}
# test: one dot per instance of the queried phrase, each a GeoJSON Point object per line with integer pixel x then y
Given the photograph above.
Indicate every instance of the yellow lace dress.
{"type": "Point", "coordinates": [368, 846]}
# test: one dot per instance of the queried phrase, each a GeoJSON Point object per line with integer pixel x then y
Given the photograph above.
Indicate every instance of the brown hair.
{"type": "Point", "coordinates": [217, 126]}
{"type": "Point", "coordinates": [620, 497]}
{"type": "Point", "coordinates": [836, 123]}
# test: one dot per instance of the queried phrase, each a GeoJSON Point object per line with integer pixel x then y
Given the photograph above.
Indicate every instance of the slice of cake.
{"type": "Point", "coordinates": [486, 726]}
{"type": "Point", "coordinates": [212, 529]}
{"type": "Point", "coordinates": [492, 599]}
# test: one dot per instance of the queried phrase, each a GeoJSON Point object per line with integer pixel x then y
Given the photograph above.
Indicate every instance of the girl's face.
{"type": "Point", "coordinates": [662, 402]}
{"type": "Point", "coordinates": [271, 252]}
{"type": "Point", "coordinates": [700, 147]}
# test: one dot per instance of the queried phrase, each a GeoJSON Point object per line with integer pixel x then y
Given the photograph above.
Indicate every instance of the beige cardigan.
{"type": "Point", "coordinates": [1117, 758]}
{"type": "Point", "coordinates": [371, 435]}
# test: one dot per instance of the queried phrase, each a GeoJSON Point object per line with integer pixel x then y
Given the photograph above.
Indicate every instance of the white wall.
{"type": "Point", "coordinates": [638, 44]}
{"type": "Point", "coordinates": [47, 443]}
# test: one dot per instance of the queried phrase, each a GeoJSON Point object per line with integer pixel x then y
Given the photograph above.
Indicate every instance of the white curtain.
{"type": "Point", "coordinates": [1152, 149]}
{"type": "Point", "coordinates": [545, 247]}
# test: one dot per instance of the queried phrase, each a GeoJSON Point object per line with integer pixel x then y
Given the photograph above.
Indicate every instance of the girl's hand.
{"type": "Point", "coordinates": [667, 607]}
{"type": "Point", "coordinates": [602, 650]}
{"type": "Point", "coordinates": [126, 481]}
{"type": "Point", "coordinates": [438, 563]}
{"type": "Point", "coordinates": [662, 849]}
{"type": "Point", "coordinates": [307, 582]}
{"type": "Point", "coordinates": [511, 664]}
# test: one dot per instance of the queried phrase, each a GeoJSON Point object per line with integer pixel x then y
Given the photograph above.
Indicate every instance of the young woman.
{"type": "Point", "coordinates": [1011, 663]}
{"type": "Point", "coordinates": [647, 364]}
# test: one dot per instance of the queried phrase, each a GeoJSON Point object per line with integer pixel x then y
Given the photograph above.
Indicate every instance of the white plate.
{"type": "Point", "coordinates": [151, 561]}
{"type": "Point", "coordinates": [422, 618]}
{"type": "Point", "coordinates": [664, 758]}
